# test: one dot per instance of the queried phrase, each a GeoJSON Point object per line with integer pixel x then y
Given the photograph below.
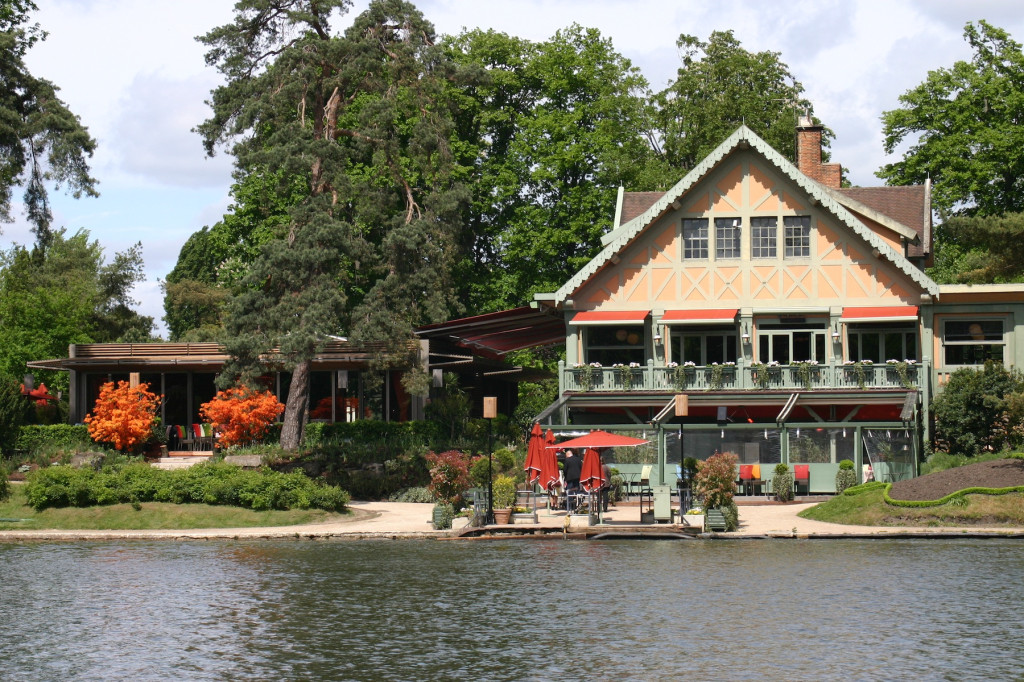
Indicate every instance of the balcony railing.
{"type": "Point", "coordinates": [795, 377]}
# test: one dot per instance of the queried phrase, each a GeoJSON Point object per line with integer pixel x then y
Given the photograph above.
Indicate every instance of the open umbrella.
{"type": "Point", "coordinates": [592, 477]}
{"type": "Point", "coordinates": [600, 439]}
{"type": "Point", "coordinates": [534, 452]}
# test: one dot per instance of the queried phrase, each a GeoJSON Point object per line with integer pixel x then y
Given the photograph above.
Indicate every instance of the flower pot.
{"type": "Point", "coordinates": [528, 517]}
{"type": "Point", "coordinates": [502, 517]}
{"type": "Point", "coordinates": [694, 521]}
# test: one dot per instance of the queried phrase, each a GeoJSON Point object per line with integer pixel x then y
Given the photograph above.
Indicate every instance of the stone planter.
{"type": "Point", "coordinates": [529, 517]}
{"type": "Point", "coordinates": [694, 521]}
{"type": "Point", "coordinates": [460, 522]}
{"type": "Point", "coordinates": [579, 522]}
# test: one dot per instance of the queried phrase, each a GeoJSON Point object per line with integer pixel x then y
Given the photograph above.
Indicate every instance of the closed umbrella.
{"type": "Point", "coordinates": [592, 477]}
{"type": "Point", "coordinates": [534, 453]}
{"type": "Point", "coordinates": [549, 477]}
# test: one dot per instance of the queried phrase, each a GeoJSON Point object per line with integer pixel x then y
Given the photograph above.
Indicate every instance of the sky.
{"type": "Point", "coordinates": [136, 77]}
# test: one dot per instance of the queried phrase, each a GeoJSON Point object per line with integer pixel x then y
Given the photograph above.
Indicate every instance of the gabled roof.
{"type": "Point", "coordinates": [742, 138]}
{"type": "Point", "coordinates": [908, 206]}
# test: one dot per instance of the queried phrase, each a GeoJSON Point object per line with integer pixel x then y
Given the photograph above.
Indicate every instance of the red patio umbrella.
{"type": "Point", "coordinates": [534, 452]}
{"type": "Point", "coordinates": [600, 439]}
{"type": "Point", "coordinates": [592, 477]}
{"type": "Point", "coordinates": [548, 464]}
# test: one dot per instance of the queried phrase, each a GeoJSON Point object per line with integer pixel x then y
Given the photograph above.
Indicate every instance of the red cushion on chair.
{"type": "Point", "coordinates": [746, 472]}
{"type": "Point", "coordinates": [801, 472]}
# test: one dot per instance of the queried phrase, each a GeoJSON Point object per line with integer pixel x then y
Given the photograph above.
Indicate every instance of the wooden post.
{"type": "Point", "coordinates": [133, 380]}
{"type": "Point", "coordinates": [682, 405]}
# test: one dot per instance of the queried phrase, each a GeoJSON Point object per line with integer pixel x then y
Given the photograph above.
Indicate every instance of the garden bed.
{"type": "Point", "coordinates": [1000, 473]}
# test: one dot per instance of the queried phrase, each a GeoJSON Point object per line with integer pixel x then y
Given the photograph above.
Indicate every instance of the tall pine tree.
{"type": "Point", "coordinates": [360, 117]}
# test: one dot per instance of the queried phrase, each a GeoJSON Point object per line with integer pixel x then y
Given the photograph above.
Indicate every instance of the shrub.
{"type": "Point", "coordinates": [36, 437]}
{"type": "Point", "coordinates": [845, 478]}
{"type": "Point", "coordinates": [970, 405]}
{"type": "Point", "coordinates": [123, 416]}
{"type": "Point", "coordinates": [715, 481]}
{"type": "Point", "coordinates": [443, 515]}
{"type": "Point", "coordinates": [504, 492]}
{"type": "Point", "coordinates": [209, 483]}
{"type": "Point", "coordinates": [732, 515]}
{"type": "Point", "coordinates": [449, 475]}
{"type": "Point", "coordinates": [412, 495]}
{"type": "Point", "coordinates": [846, 465]}
{"type": "Point", "coordinates": [864, 488]}
{"type": "Point", "coordinates": [241, 415]}
{"type": "Point", "coordinates": [5, 485]}
{"type": "Point", "coordinates": [782, 483]}
{"type": "Point", "coordinates": [15, 410]}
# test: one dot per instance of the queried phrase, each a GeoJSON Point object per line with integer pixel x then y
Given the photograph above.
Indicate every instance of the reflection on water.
{"type": "Point", "coordinates": [524, 610]}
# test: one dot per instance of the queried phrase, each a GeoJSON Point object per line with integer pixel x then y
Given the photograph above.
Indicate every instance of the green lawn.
{"type": "Point", "coordinates": [868, 509]}
{"type": "Point", "coordinates": [151, 515]}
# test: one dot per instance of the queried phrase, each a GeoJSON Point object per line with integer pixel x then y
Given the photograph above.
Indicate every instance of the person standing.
{"type": "Point", "coordinates": [573, 469]}
{"type": "Point", "coordinates": [606, 486]}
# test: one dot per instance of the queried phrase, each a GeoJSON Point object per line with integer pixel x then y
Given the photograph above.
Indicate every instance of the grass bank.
{"type": "Point", "coordinates": [150, 516]}
{"type": "Point", "coordinates": [869, 509]}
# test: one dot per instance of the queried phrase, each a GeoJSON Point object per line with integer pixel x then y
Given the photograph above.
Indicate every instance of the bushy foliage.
{"type": "Point", "coordinates": [970, 405]}
{"type": "Point", "coordinates": [419, 495]}
{"type": "Point", "coordinates": [5, 485]}
{"type": "Point", "coordinates": [449, 475]}
{"type": "Point", "coordinates": [443, 515]}
{"type": "Point", "coordinates": [782, 483]}
{"type": "Point", "coordinates": [123, 416]}
{"type": "Point", "coordinates": [241, 415]}
{"type": "Point", "coordinates": [715, 480]}
{"type": "Point", "coordinates": [845, 478]}
{"type": "Point", "coordinates": [504, 492]}
{"type": "Point", "coordinates": [35, 437]}
{"type": "Point", "coordinates": [732, 515]}
{"type": "Point", "coordinates": [15, 410]}
{"type": "Point", "coordinates": [208, 483]}
{"type": "Point", "coordinates": [865, 488]}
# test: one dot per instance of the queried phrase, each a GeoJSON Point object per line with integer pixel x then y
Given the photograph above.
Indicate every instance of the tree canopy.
{"type": "Point", "coordinates": [64, 294]}
{"type": "Point", "coordinates": [966, 119]}
{"type": "Point", "coordinates": [366, 250]}
{"type": "Point", "coordinates": [41, 140]}
{"type": "Point", "coordinates": [719, 87]}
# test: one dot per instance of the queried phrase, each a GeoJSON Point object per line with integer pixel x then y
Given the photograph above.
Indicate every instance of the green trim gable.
{"type": "Point", "coordinates": [742, 139]}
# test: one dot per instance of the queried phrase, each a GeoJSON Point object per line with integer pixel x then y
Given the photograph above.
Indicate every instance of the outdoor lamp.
{"type": "Point", "coordinates": [490, 412]}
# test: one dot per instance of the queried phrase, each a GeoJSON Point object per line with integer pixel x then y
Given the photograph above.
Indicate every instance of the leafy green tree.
{"type": "Point", "coordinates": [15, 411]}
{"type": "Point", "coordinates": [367, 250]}
{"type": "Point", "coordinates": [41, 140]}
{"type": "Point", "coordinates": [720, 86]}
{"type": "Point", "coordinates": [967, 122]}
{"type": "Point", "coordinates": [970, 406]}
{"type": "Point", "coordinates": [978, 250]}
{"type": "Point", "coordinates": [548, 132]}
{"type": "Point", "coordinates": [64, 294]}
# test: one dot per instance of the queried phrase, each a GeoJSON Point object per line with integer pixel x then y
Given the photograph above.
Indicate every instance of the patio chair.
{"type": "Point", "coordinates": [185, 439]}
{"type": "Point", "coordinates": [746, 474]}
{"type": "Point", "coordinates": [801, 476]}
{"type": "Point", "coordinates": [756, 482]}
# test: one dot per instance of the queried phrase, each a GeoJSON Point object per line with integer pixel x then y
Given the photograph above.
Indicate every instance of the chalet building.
{"type": "Point", "coordinates": [759, 308]}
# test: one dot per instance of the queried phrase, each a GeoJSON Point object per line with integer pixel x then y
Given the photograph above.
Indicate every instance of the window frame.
{"type": "Point", "coordinates": [696, 247]}
{"type": "Point", "coordinates": [791, 247]}
{"type": "Point", "coordinates": [728, 247]}
{"type": "Point", "coordinates": [981, 344]}
{"type": "Point", "coordinates": [760, 234]}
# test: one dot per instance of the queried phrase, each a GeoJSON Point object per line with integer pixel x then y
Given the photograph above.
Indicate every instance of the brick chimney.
{"type": "Point", "coordinates": [808, 155]}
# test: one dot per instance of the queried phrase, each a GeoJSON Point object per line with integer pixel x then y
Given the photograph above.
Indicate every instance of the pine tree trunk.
{"type": "Point", "coordinates": [297, 407]}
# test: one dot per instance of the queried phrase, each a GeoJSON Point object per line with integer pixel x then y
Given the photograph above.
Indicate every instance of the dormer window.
{"type": "Point", "coordinates": [727, 237]}
{"type": "Point", "coordinates": [695, 238]}
{"type": "Point", "coordinates": [797, 236]}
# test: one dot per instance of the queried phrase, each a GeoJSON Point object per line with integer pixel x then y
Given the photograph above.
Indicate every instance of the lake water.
{"type": "Point", "coordinates": [513, 610]}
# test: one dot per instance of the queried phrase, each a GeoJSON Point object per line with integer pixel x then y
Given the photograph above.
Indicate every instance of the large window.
{"type": "Point", "coordinates": [972, 342]}
{"type": "Point", "coordinates": [793, 342]}
{"type": "Point", "coordinates": [695, 238]}
{"type": "Point", "coordinates": [614, 344]}
{"type": "Point", "coordinates": [797, 236]}
{"type": "Point", "coordinates": [704, 345]}
{"type": "Point", "coordinates": [880, 344]}
{"type": "Point", "coordinates": [727, 237]}
{"type": "Point", "coordinates": [763, 237]}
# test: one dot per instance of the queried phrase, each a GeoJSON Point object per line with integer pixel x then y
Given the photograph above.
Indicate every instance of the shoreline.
{"type": "Point", "coordinates": [411, 521]}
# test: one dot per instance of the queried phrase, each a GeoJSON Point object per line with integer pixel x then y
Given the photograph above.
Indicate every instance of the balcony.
{"type": "Point", "coordinates": [745, 377]}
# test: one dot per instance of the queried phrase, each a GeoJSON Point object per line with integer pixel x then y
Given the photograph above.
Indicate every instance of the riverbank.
{"type": "Point", "coordinates": [399, 520]}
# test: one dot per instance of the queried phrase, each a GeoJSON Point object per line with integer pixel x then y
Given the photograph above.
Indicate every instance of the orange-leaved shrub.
{"type": "Point", "coordinates": [716, 479]}
{"type": "Point", "coordinates": [449, 475]}
{"type": "Point", "coordinates": [123, 415]}
{"type": "Point", "coordinates": [241, 414]}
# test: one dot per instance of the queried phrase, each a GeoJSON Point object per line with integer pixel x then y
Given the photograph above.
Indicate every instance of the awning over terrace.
{"type": "Point", "coordinates": [723, 315]}
{"type": "Point", "coordinates": [899, 313]}
{"type": "Point", "coordinates": [499, 333]}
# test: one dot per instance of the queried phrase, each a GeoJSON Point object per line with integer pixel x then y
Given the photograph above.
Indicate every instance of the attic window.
{"type": "Point", "coordinates": [797, 236]}
{"type": "Point", "coordinates": [695, 238]}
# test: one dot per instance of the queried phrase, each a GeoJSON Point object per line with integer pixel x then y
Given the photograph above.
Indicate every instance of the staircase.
{"type": "Point", "coordinates": [181, 459]}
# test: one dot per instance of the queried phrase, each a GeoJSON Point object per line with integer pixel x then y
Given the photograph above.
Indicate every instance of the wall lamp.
{"type": "Point", "coordinates": [835, 332]}
{"type": "Point", "coordinates": [746, 333]}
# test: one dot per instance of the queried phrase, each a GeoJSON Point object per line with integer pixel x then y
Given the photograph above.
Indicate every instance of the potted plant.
{"type": "Point", "coordinates": [902, 370]}
{"type": "Point", "coordinates": [681, 375]}
{"type": "Point", "coordinates": [523, 515]}
{"type": "Point", "coordinates": [858, 371]}
{"type": "Point", "coordinates": [782, 483]}
{"type": "Point", "coordinates": [845, 477]}
{"type": "Point", "coordinates": [718, 372]}
{"type": "Point", "coordinates": [586, 373]}
{"type": "Point", "coordinates": [504, 499]}
{"type": "Point", "coordinates": [627, 374]}
{"type": "Point", "coordinates": [805, 371]}
{"type": "Point", "coordinates": [762, 373]}
{"type": "Point", "coordinates": [694, 518]}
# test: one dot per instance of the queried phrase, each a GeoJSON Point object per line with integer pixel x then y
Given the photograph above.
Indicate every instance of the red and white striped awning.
{"type": "Point", "coordinates": [610, 317]}
{"type": "Point", "coordinates": [897, 313]}
{"type": "Point", "coordinates": [720, 316]}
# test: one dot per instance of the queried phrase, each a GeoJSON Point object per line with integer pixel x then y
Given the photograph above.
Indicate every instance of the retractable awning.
{"type": "Point", "coordinates": [898, 313]}
{"type": "Point", "coordinates": [610, 317]}
{"type": "Point", "coordinates": [500, 332]}
{"type": "Point", "coordinates": [720, 316]}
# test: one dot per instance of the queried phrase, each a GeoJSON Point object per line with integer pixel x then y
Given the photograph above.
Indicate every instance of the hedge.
{"type": "Point", "coordinates": [367, 430]}
{"type": "Point", "coordinates": [947, 498]}
{"type": "Point", "coordinates": [206, 483]}
{"type": "Point", "coordinates": [35, 437]}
